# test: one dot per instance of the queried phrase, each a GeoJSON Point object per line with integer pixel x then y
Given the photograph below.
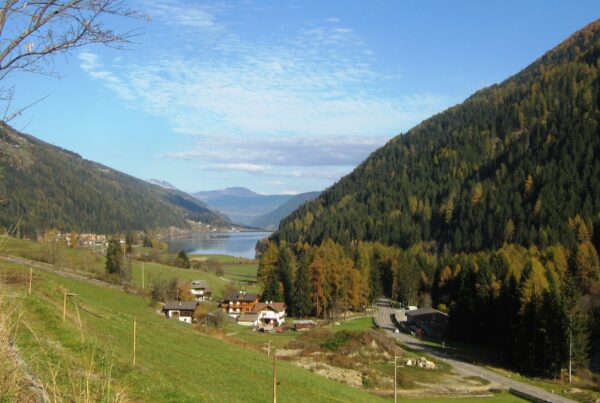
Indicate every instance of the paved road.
{"type": "Point", "coordinates": [383, 319]}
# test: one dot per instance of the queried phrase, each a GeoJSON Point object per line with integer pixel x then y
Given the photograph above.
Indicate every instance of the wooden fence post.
{"type": "Point", "coordinates": [274, 381]}
{"type": "Point", "coordinates": [65, 305]}
{"type": "Point", "coordinates": [134, 335]}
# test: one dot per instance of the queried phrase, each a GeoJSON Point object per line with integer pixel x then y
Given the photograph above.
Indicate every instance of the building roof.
{"type": "Point", "coordinates": [274, 306]}
{"type": "Point", "coordinates": [180, 305]}
{"type": "Point", "coordinates": [248, 317]}
{"type": "Point", "coordinates": [424, 311]}
{"type": "Point", "coordinates": [240, 296]}
{"type": "Point", "coordinates": [199, 284]}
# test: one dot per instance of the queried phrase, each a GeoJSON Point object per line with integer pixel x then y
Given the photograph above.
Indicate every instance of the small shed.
{"type": "Point", "coordinates": [303, 325]}
{"type": "Point", "coordinates": [248, 319]}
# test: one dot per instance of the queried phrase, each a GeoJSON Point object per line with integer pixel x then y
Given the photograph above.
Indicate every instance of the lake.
{"type": "Point", "coordinates": [218, 243]}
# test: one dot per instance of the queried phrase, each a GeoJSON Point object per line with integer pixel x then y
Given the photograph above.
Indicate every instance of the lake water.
{"type": "Point", "coordinates": [218, 243]}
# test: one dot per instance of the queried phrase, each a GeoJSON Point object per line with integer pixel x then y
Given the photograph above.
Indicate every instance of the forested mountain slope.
{"type": "Point", "coordinates": [50, 187]}
{"type": "Point", "coordinates": [513, 163]}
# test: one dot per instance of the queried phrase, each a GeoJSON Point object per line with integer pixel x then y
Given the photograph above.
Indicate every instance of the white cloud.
{"type": "Point", "coordinates": [250, 168]}
{"type": "Point", "coordinates": [284, 106]}
{"type": "Point", "coordinates": [89, 61]}
{"type": "Point", "coordinates": [181, 15]}
{"type": "Point", "coordinates": [305, 151]}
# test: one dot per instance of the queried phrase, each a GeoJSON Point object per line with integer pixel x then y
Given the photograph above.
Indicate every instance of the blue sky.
{"type": "Point", "coordinates": [280, 96]}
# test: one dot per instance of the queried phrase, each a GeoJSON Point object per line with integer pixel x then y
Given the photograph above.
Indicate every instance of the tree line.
{"type": "Point", "coordinates": [534, 304]}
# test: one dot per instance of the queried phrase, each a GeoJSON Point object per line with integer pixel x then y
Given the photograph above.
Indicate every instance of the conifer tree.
{"type": "Point", "coordinates": [286, 266]}
{"type": "Point", "coordinates": [301, 298]}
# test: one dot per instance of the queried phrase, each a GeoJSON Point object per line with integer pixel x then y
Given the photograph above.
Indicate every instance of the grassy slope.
{"type": "Point", "coordinates": [175, 362]}
{"type": "Point", "coordinates": [87, 263]}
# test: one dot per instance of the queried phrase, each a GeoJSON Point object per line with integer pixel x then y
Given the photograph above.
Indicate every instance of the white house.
{"type": "Point", "coordinates": [270, 314]}
{"type": "Point", "coordinates": [200, 290]}
{"type": "Point", "coordinates": [181, 310]}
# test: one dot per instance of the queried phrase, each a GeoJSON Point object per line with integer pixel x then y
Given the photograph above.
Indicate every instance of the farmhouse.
{"type": "Point", "coordinates": [270, 314]}
{"type": "Point", "coordinates": [182, 310]}
{"type": "Point", "coordinates": [236, 303]}
{"type": "Point", "coordinates": [433, 322]}
{"type": "Point", "coordinates": [201, 291]}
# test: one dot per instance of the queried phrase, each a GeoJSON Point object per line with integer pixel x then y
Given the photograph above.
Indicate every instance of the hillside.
{"type": "Point", "coordinates": [515, 162]}
{"type": "Point", "coordinates": [162, 184]}
{"type": "Point", "coordinates": [241, 205]}
{"type": "Point", "coordinates": [271, 220]}
{"type": "Point", "coordinates": [51, 187]}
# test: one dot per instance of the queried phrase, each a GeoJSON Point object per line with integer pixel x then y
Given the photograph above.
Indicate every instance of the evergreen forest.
{"type": "Point", "coordinates": [489, 211]}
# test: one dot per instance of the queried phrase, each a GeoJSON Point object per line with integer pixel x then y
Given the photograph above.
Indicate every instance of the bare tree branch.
{"type": "Point", "coordinates": [33, 32]}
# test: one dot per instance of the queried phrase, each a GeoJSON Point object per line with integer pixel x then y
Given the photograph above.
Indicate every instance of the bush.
{"type": "Point", "coordinates": [337, 340]}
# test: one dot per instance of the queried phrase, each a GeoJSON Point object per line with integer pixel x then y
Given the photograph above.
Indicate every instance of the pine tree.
{"type": "Point", "coordinates": [272, 290]}
{"type": "Point", "coordinates": [114, 257]}
{"type": "Point", "coordinates": [301, 298]}
{"type": "Point", "coordinates": [286, 265]}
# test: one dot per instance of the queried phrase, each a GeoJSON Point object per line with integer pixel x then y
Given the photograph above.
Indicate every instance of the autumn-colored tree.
{"type": "Point", "coordinates": [267, 262]}
{"type": "Point", "coordinates": [184, 291]}
{"type": "Point", "coordinates": [587, 267]}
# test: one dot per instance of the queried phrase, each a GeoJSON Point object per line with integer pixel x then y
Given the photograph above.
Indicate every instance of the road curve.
{"type": "Point", "coordinates": [383, 320]}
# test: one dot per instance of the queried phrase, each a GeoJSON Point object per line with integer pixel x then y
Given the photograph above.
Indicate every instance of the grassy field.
{"type": "Point", "coordinates": [174, 361]}
{"type": "Point", "coordinates": [86, 262]}
{"type": "Point", "coordinates": [90, 354]}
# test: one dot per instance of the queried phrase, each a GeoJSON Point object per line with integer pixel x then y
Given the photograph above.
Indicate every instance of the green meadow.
{"type": "Point", "coordinates": [174, 362]}
{"type": "Point", "coordinates": [89, 357]}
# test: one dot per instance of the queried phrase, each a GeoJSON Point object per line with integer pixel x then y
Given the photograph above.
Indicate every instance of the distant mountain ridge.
{"type": "Point", "coordinates": [243, 206]}
{"type": "Point", "coordinates": [272, 219]}
{"type": "Point", "coordinates": [50, 187]}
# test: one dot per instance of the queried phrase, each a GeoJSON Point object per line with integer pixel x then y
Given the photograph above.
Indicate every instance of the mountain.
{"type": "Point", "coordinates": [50, 187]}
{"type": "Point", "coordinates": [241, 205]}
{"type": "Point", "coordinates": [232, 191]}
{"type": "Point", "coordinates": [516, 162]}
{"type": "Point", "coordinates": [162, 184]}
{"type": "Point", "coordinates": [271, 220]}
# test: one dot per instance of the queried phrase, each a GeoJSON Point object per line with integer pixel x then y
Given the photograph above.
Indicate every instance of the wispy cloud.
{"type": "Point", "coordinates": [90, 63]}
{"type": "Point", "coordinates": [309, 96]}
{"type": "Point", "coordinates": [281, 151]}
{"type": "Point", "coordinates": [241, 166]}
{"type": "Point", "coordinates": [177, 14]}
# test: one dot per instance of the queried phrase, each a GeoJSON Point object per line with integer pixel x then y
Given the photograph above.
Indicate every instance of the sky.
{"type": "Point", "coordinates": [281, 97]}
